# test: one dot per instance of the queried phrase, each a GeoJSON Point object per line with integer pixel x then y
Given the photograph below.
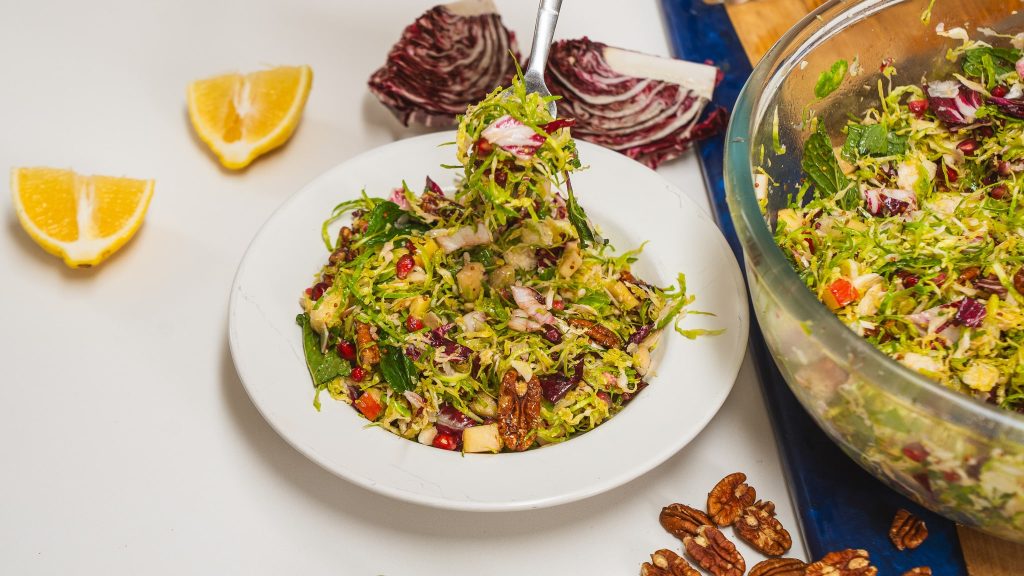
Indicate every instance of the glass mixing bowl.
{"type": "Point", "coordinates": [956, 455]}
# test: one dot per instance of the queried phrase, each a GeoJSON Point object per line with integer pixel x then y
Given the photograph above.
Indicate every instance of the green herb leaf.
{"type": "Point", "coordinates": [596, 300]}
{"type": "Point", "coordinates": [382, 223]}
{"type": "Point", "coordinates": [872, 140]}
{"type": "Point", "coordinates": [830, 80]}
{"type": "Point", "coordinates": [578, 218]}
{"type": "Point", "coordinates": [398, 370]}
{"type": "Point", "coordinates": [322, 367]}
{"type": "Point", "coordinates": [989, 63]}
{"type": "Point", "coordinates": [821, 166]}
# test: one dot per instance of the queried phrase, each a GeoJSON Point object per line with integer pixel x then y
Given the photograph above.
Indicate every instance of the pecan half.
{"type": "Point", "coordinates": [369, 352]}
{"type": "Point", "coordinates": [843, 563]}
{"type": "Point", "coordinates": [919, 571]}
{"type": "Point", "coordinates": [597, 332]}
{"type": "Point", "coordinates": [518, 410]}
{"type": "Point", "coordinates": [729, 497]}
{"type": "Point", "coordinates": [778, 567]}
{"type": "Point", "coordinates": [681, 520]}
{"type": "Point", "coordinates": [907, 530]}
{"type": "Point", "coordinates": [763, 531]}
{"type": "Point", "coordinates": [714, 553]}
{"type": "Point", "coordinates": [767, 505]}
{"type": "Point", "coordinates": [667, 563]}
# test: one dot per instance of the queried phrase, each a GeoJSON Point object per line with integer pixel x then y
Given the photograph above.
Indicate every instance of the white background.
{"type": "Point", "coordinates": [128, 444]}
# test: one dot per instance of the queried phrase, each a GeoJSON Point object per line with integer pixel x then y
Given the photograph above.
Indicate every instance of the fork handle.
{"type": "Point", "coordinates": [547, 17]}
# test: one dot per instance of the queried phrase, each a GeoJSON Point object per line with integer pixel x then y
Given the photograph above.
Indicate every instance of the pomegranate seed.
{"type": "Point", "coordinates": [309, 291]}
{"type": "Point", "coordinates": [951, 174]}
{"type": "Point", "coordinates": [1000, 91]}
{"type": "Point", "coordinates": [346, 350]}
{"type": "Point", "coordinates": [444, 441]}
{"type": "Point", "coordinates": [558, 305]}
{"type": "Point", "coordinates": [1004, 168]}
{"type": "Point", "coordinates": [604, 396]}
{"type": "Point", "coordinates": [404, 265]}
{"type": "Point", "coordinates": [985, 132]}
{"type": "Point", "coordinates": [968, 147]}
{"type": "Point", "coordinates": [909, 280]}
{"type": "Point", "coordinates": [318, 290]}
{"type": "Point", "coordinates": [998, 192]}
{"type": "Point", "coordinates": [939, 279]}
{"type": "Point", "coordinates": [917, 106]}
{"type": "Point", "coordinates": [951, 476]}
{"type": "Point", "coordinates": [358, 373]}
{"type": "Point", "coordinates": [413, 324]}
{"type": "Point", "coordinates": [483, 147]}
{"type": "Point", "coordinates": [915, 451]}
{"type": "Point", "coordinates": [410, 246]}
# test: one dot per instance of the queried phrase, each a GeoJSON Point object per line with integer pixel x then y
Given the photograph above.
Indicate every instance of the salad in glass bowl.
{"type": "Point", "coordinates": [492, 317]}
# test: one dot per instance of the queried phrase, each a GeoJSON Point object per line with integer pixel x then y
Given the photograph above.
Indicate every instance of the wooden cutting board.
{"type": "Point", "coordinates": [759, 24]}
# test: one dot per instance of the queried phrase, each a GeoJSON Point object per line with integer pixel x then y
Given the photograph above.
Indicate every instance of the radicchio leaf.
{"type": "Point", "coordinates": [450, 57]}
{"type": "Point", "coordinates": [1008, 106]}
{"type": "Point", "coordinates": [889, 202]}
{"type": "Point", "coordinates": [555, 386]}
{"type": "Point", "coordinates": [643, 106]}
{"type": "Point", "coordinates": [969, 312]}
{"type": "Point", "coordinates": [513, 136]}
{"type": "Point", "coordinates": [952, 102]}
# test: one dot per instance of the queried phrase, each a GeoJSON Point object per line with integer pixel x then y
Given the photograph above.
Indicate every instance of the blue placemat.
{"type": "Point", "coordinates": [839, 504]}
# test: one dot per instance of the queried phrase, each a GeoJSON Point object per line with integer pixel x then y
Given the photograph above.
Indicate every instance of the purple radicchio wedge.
{"type": "Point", "coordinates": [1009, 106]}
{"type": "Point", "coordinates": [952, 102]}
{"type": "Point", "coordinates": [450, 57]}
{"type": "Point", "coordinates": [555, 386]}
{"type": "Point", "coordinates": [644, 106]}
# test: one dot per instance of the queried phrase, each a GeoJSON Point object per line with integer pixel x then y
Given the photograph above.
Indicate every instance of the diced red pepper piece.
{"type": "Point", "coordinates": [840, 293]}
{"type": "Point", "coordinates": [368, 406]}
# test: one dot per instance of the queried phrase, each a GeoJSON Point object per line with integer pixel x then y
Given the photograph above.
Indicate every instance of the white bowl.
{"type": "Point", "coordinates": [629, 203]}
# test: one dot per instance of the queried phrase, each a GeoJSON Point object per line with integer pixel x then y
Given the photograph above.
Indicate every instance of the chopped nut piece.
{"type": "Point", "coordinates": [518, 411]}
{"type": "Point", "coordinates": [597, 332]}
{"type": "Point", "coordinates": [843, 563]}
{"type": "Point", "coordinates": [763, 531]}
{"type": "Point", "coordinates": [919, 571]}
{"type": "Point", "coordinates": [369, 352]}
{"type": "Point", "coordinates": [714, 552]}
{"type": "Point", "coordinates": [667, 563]}
{"type": "Point", "coordinates": [907, 531]}
{"type": "Point", "coordinates": [729, 497]}
{"type": "Point", "coordinates": [779, 567]}
{"type": "Point", "coordinates": [681, 520]}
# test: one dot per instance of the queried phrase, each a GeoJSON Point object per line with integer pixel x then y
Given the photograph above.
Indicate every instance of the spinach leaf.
{"type": "Point", "coordinates": [830, 80]}
{"type": "Point", "coordinates": [397, 369]}
{"type": "Point", "coordinates": [578, 218]}
{"type": "Point", "coordinates": [322, 367]}
{"type": "Point", "coordinates": [821, 166]}
{"type": "Point", "coordinates": [382, 224]}
{"type": "Point", "coordinates": [872, 140]}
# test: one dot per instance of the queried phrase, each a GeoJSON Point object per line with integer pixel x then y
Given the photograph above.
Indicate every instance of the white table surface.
{"type": "Point", "coordinates": [128, 443]}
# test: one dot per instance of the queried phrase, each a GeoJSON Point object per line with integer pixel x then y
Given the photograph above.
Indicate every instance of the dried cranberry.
{"type": "Point", "coordinates": [951, 174]}
{"type": "Point", "coordinates": [909, 280]}
{"type": "Point", "coordinates": [444, 441]}
{"type": "Point", "coordinates": [915, 451]}
{"type": "Point", "coordinates": [604, 396]}
{"type": "Point", "coordinates": [1018, 280]}
{"type": "Point", "coordinates": [413, 324]}
{"type": "Point", "coordinates": [985, 131]}
{"type": "Point", "coordinates": [998, 192]}
{"type": "Point", "coordinates": [358, 373]}
{"type": "Point", "coordinates": [951, 476]}
{"type": "Point", "coordinates": [404, 265]}
{"type": "Point", "coordinates": [318, 290]}
{"type": "Point", "coordinates": [1000, 91]}
{"type": "Point", "coordinates": [551, 334]}
{"type": "Point", "coordinates": [918, 107]}
{"type": "Point", "coordinates": [346, 350]}
{"type": "Point", "coordinates": [968, 146]}
{"type": "Point", "coordinates": [558, 124]}
{"type": "Point", "coordinates": [939, 279]}
{"type": "Point", "coordinates": [410, 246]}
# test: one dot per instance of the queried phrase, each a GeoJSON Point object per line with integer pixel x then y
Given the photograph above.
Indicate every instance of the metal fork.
{"type": "Point", "coordinates": [547, 18]}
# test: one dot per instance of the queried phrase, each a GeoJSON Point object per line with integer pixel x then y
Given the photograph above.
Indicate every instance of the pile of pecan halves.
{"type": "Point", "coordinates": [732, 502]}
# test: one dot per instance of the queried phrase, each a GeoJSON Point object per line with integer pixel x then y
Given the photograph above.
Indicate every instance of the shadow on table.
{"type": "Point", "coordinates": [368, 508]}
